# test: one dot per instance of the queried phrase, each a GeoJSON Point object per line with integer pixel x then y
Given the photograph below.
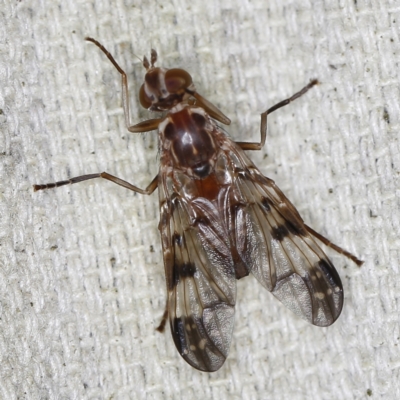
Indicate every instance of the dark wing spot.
{"type": "Point", "coordinates": [179, 271]}
{"type": "Point", "coordinates": [330, 272]}
{"type": "Point", "coordinates": [279, 232]}
{"type": "Point", "coordinates": [175, 278]}
{"type": "Point", "coordinates": [178, 239]}
{"type": "Point", "coordinates": [187, 270]}
{"type": "Point", "coordinates": [296, 230]}
{"type": "Point", "coordinates": [265, 203]}
{"type": "Point", "coordinates": [190, 337]}
{"type": "Point", "coordinates": [179, 335]}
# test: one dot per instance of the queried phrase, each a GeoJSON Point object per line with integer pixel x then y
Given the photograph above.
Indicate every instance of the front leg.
{"type": "Point", "coordinates": [144, 126]}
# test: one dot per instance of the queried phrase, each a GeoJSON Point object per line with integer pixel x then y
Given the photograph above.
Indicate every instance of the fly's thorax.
{"type": "Point", "coordinates": [187, 137]}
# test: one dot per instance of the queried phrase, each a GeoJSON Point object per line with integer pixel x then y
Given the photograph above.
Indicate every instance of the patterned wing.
{"type": "Point", "coordinates": [200, 277]}
{"type": "Point", "coordinates": [279, 251]}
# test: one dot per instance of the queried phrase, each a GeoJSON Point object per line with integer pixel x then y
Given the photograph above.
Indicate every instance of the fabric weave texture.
{"type": "Point", "coordinates": [82, 284]}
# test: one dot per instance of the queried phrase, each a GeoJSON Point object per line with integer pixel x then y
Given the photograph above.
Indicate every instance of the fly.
{"type": "Point", "coordinates": [221, 220]}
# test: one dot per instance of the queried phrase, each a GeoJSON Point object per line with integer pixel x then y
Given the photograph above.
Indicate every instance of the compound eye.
{"type": "Point", "coordinates": [177, 79]}
{"type": "Point", "coordinates": [143, 98]}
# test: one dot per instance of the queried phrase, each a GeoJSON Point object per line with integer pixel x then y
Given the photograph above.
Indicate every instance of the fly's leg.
{"type": "Point", "coordinates": [333, 246]}
{"type": "Point", "coordinates": [264, 115]}
{"type": "Point", "coordinates": [144, 126]}
{"type": "Point", "coordinates": [259, 145]}
{"type": "Point", "coordinates": [161, 326]}
{"type": "Point", "coordinates": [149, 190]}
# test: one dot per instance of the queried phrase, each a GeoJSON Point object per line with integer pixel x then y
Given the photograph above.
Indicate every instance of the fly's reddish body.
{"type": "Point", "coordinates": [221, 219]}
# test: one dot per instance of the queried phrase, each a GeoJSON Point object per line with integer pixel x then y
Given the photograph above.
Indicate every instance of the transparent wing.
{"type": "Point", "coordinates": [279, 250]}
{"type": "Point", "coordinates": [200, 278]}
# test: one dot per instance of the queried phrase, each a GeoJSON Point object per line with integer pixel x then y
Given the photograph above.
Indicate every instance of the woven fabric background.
{"type": "Point", "coordinates": [81, 274]}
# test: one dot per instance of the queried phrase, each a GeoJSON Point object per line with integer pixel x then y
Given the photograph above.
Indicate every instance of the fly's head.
{"type": "Point", "coordinates": [164, 88]}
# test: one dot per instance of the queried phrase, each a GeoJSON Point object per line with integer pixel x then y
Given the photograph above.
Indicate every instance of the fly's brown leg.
{"type": "Point", "coordinates": [144, 126]}
{"type": "Point", "coordinates": [212, 111]}
{"type": "Point", "coordinates": [333, 246]}
{"type": "Point", "coordinates": [164, 318]}
{"type": "Point", "coordinates": [264, 115]}
{"type": "Point", "coordinates": [149, 190]}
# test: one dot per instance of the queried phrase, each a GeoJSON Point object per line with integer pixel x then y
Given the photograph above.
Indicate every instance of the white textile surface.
{"type": "Point", "coordinates": [81, 273]}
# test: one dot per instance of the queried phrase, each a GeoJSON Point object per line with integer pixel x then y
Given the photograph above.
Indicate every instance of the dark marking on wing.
{"type": "Point", "coordinates": [279, 232]}
{"type": "Point", "coordinates": [280, 252]}
{"type": "Point", "coordinates": [295, 229]}
{"type": "Point", "coordinates": [330, 273]}
{"type": "Point", "coordinates": [196, 343]}
{"type": "Point", "coordinates": [178, 239]}
{"type": "Point", "coordinates": [187, 270]}
{"type": "Point", "coordinates": [182, 271]}
{"type": "Point", "coordinates": [179, 336]}
{"type": "Point", "coordinates": [266, 204]}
